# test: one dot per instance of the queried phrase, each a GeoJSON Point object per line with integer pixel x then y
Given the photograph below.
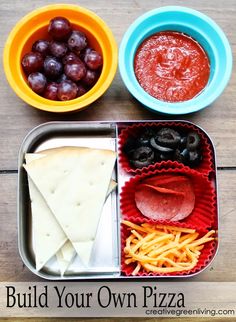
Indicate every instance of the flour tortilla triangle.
{"type": "Point", "coordinates": [44, 246]}
{"type": "Point", "coordinates": [74, 183]}
{"type": "Point", "coordinates": [48, 237]}
{"type": "Point", "coordinates": [66, 253]}
{"type": "Point", "coordinates": [65, 256]}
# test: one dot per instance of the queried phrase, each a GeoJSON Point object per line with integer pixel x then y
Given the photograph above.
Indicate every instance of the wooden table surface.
{"type": "Point", "coordinates": [219, 120]}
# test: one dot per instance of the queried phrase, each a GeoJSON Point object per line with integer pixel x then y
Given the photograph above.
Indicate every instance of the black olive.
{"type": "Point", "coordinates": [130, 153]}
{"type": "Point", "coordinates": [195, 158]}
{"type": "Point", "coordinates": [160, 148]}
{"type": "Point", "coordinates": [193, 141]}
{"type": "Point", "coordinates": [142, 156]}
{"type": "Point", "coordinates": [129, 145]}
{"type": "Point", "coordinates": [168, 137]}
{"type": "Point", "coordinates": [165, 157]}
{"type": "Point", "coordinates": [183, 142]}
{"type": "Point", "coordinates": [182, 156]}
{"type": "Point", "coordinates": [140, 164]}
{"type": "Point", "coordinates": [143, 153]}
{"type": "Point", "coordinates": [143, 141]}
{"type": "Point", "coordinates": [148, 132]}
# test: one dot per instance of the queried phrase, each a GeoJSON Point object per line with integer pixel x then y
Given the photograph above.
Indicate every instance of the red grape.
{"type": "Point", "coordinates": [51, 91]}
{"type": "Point", "coordinates": [77, 41]}
{"type": "Point", "coordinates": [81, 90]}
{"type": "Point", "coordinates": [61, 78]}
{"type": "Point", "coordinates": [67, 90]}
{"type": "Point", "coordinates": [93, 59]}
{"type": "Point", "coordinates": [70, 58]}
{"type": "Point", "coordinates": [52, 67]}
{"type": "Point", "coordinates": [58, 49]}
{"type": "Point", "coordinates": [90, 77]}
{"type": "Point", "coordinates": [37, 82]}
{"type": "Point", "coordinates": [85, 52]}
{"type": "Point", "coordinates": [32, 62]}
{"type": "Point", "coordinates": [41, 46]}
{"type": "Point", "coordinates": [75, 71]}
{"type": "Point", "coordinates": [59, 28]}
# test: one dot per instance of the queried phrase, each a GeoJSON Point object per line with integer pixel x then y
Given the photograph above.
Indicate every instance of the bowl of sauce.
{"type": "Point", "coordinates": [175, 60]}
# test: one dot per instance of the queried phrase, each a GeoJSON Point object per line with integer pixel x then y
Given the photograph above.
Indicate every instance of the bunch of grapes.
{"type": "Point", "coordinates": [65, 67]}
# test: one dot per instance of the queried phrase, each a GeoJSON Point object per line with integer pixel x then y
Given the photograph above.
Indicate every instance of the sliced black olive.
{"type": "Point", "coordinates": [145, 136]}
{"type": "Point", "coordinates": [129, 145]}
{"type": "Point", "coordinates": [183, 142]}
{"type": "Point", "coordinates": [195, 158]}
{"type": "Point", "coordinates": [182, 156]}
{"type": "Point", "coordinates": [193, 141]}
{"type": "Point", "coordinates": [142, 157]}
{"type": "Point", "coordinates": [165, 157]}
{"type": "Point", "coordinates": [168, 137]}
{"type": "Point", "coordinates": [130, 153]}
{"type": "Point", "coordinates": [158, 147]}
{"type": "Point", "coordinates": [140, 164]}
{"type": "Point", "coordinates": [143, 154]}
{"type": "Point", "coordinates": [143, 141]}
{"type": "Point", "coordinates": [148, 132]}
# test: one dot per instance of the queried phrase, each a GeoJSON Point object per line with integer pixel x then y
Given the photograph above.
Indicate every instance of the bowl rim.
{"type": "Point", "coordinates": [77, 104]}
{"type": "Point", "coordinates": [175, 108]}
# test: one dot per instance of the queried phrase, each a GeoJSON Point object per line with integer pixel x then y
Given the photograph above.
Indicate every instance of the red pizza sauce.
{"type": "Point", "coordinates": [171, 66]}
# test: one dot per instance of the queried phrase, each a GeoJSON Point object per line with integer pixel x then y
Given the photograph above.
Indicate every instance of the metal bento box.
{"type": "Point", "coordinates": [158, 217]}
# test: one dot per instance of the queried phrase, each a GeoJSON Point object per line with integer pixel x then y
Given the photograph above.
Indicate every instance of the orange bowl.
{"type": "Point", "coordinates": [33, 27]}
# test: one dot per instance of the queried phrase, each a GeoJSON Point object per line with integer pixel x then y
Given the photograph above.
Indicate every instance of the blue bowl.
{"type": "Point", "coordinates": [197, 25]}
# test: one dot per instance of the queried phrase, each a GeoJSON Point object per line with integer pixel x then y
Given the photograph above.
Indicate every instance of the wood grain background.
{"type": "Point", "coordinates": [219, 120]}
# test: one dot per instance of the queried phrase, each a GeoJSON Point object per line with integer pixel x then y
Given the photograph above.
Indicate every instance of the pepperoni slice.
{"type": "Point", "coordinates": [164, 180]}
{"type": "Point", "coordinates": [163, 190]}
{"type": "Point", "coordinates": [165, 197]}
{"type": "Point", "coordinates": [157, 205]}
{"type": "Point", "coordinates": [188, 202]}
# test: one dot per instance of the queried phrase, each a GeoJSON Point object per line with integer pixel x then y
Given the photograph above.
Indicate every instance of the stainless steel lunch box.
{"type": "Point", "coordinates": [107, 263]}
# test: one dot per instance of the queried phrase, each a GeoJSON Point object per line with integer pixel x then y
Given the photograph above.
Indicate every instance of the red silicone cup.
{"type": "Point", "coordinates": [204, 212]}
{"type": "Point", "coordinates": [206, 165]}
{"type": "Point", "coordinates": [207, 254]}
